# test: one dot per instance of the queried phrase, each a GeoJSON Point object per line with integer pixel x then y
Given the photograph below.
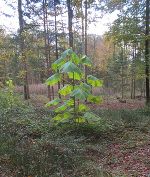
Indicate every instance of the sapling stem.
{"type": "Point", "coordinates": [74, 100]}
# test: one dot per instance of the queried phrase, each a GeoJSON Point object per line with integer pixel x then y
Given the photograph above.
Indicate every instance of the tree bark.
{"type": "Point", "coordinates": [70, 17]}
{"type": "Point", "coordinates": [82, 22]}
{"type": "Point", "coordinates": [56, 42]}
{"type": "Point", "coordinates": [85, 42]}
{"type": "Point", "coordinates": [147, 52]}
{"type": "Point", "coordinates": [22, 50]}
{"type": "Point", "coordinates": [85, 27]}
{"type": "Point", "coordinates": [46, 44]}
{"type": "Point", "coordinates": [122, 73]}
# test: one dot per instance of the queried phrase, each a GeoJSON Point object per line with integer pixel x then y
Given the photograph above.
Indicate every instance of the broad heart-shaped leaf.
{"type": "Point", "coordinates": [70, 67]}
{"type": "Point", "coordinates": [82, 107]}
{"type": "Point", "coordinates": [95, 82]}
{"type": "Point", "coordinates": [62, 117]}
{"type": "Point", "coordinates": [86, 61]}
{"type": "Point", "coordinates": [62, 60]}
{"type": "Point", "coordinates": [95, 99]}
{"type": "Point", "coordinates": [74, 58]}
{"type": "Point", "coordinates": [86, 87]}
{"type": "Point", "coordinates": [53, 102]}
{"type": "Point", "coordinates": [58, 63]}
{"type": "Point", "coordinates": [58, 117]}
{"type": "Point", "coordinates": [80, 120]}
{"type": "Point", "coordinates": [67, 89]}
{"type": "Point", "coordinates": [66, 53]}
{"type": "Point", "coordinates": [69, 102]}
{"type": "Point", "coordinates": [53, 79]}
{"type": "Point", "coordinates": [76, 76]}
{"type": "Point", "coordinates": [79, 94]}
{"type": "Point", "coordinates": [61, 108]}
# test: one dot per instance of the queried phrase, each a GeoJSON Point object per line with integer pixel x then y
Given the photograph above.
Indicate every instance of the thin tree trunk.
{"type": "Point", "coordinates": [46, 44]}
{"type": "Point", "coordinates": [70, 17]}
{"type": "Point", "coordinates": [85, 35]}
{"type": "Point", "coordinates": [82, 22]}
{"type": "Point", "coordinates": [122, 74]}
{"type": "Point", "coordinates": [56, 42]}
{"type": "Point", "coordinates": [147, 52]}
{"type": "Point", "coordinates": [133, 72]}
{"type": "Point", "coordinates": [134, 83]}
{"type": "Point", "coordinates": [22, 50]}
{"type": "Point", "coordinates": [85, 27]}
{"type": "Point", "coordinates": [132, 87]}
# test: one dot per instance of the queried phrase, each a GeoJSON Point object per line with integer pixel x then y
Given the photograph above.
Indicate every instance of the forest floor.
{"type": "Point", "coordinates": [113, 103]}
{"type": "Point", "coordinates": [39, 99]}
{"type": "Point", "coordinates": [117, 147]}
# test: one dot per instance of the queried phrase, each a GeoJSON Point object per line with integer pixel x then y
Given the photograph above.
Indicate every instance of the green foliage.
{"type": "Point", "coordinates": [54, 79]}
{"type": "Point", "coordinates": [94, 99]}
{"type": "Point", "coordinates": [86, 61]}
{"type": "Point", "coordinates": [94, 81]}
{"type": "Point", "coordinates": [72, 108]}
{"type": "Point", "coordinates": [75, 75]}
{"type": "Point", "coordinates": [67, 89]}
{"type": "Point", "coordinates": [70, 67]}
{"type": "Point", "coordinates": [79, 94]}
{"type": "Point", "coordinates": [53, 102]}
{"type": "Point", "coordinates": [12, 104]}
{"type": "Point", "coordinates": [7, 97]}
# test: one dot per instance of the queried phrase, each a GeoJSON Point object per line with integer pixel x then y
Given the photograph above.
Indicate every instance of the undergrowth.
{"type": "Point", "coordinates": [32, 146]}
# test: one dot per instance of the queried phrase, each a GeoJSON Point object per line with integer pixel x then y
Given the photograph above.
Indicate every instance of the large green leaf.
{"type": "Point", "coordinates": [70, 67]}
{"type": "Point", "coordinates": [86, 87]}
{"type": "Point", "coordinates": [69, 102]}
{"type": "Point", "coordinates": [58, 117]}
{"type": "Point", "coordinates": [79, 94]}
{"type": "Point", "coordinates": [80, 120]}
{"type": "Point", "coordinates": [67, 89]}
{"type": "Point", "coordinates": [95, 99]}
{"type": "Point", "coordinates": [86, 61]}
{"type": "Point", "coordinates": [76, 76]}
{"type": "Point", "coordinates": [61, 108]}
{"type": "Point", "coordinates": [95, 82]}
{"type": "Point", "coordinates": [53, 79]}
{"type": "Point", "coordinates": [58, 63]}
{"type": "Point", "coordinates": [62, 60]}
{"type": "Point", "coordinates": [66, 53]}
{"type": "Point", "coordinates": [53, 102]}
{"type": "Point", "coordinates": [74, 58]}
{"type": "Point", "coordinates": [82, 107]}
{"type": "Point", "coordinates": [61, 117]}
{"type": "Point", "coordinates": [66, 105]}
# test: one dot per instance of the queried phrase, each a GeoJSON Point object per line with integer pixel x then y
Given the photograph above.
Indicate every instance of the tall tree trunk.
{"type": "Point", "coordinates": [22, 51]}
{"type": "Point", "coordinates": [122, 73]}
{"type": "Point", "coordinates": [133, 77]}
{"type": "Point", "coordinates": [46, 44]}
{"type": "Point", "coordinates": [56, 41]}
{"type": "Point", "coordinates": [70, 17]}
{"type": "Point", "coordinates": [85, 27]}
{"type": "Point", "coordinates": [147, 52]}
{"type": "Point", "coordinates": [82, 22]}
{"type": "Point", "coordinates": [85, 35]}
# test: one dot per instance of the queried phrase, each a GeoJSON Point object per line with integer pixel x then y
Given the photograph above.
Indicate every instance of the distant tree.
{"type": "Point", "coordinates": [147, 52]}
{"type": "Point", "coordinates": [130, 28]}
{"type": "Point", "coordinates": [70, 18]}
{"type": "Point", "coordinates": [22, 50]}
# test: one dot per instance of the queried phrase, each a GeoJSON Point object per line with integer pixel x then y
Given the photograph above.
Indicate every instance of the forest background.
{"type": "Point", "coordinates": [45, 29]}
